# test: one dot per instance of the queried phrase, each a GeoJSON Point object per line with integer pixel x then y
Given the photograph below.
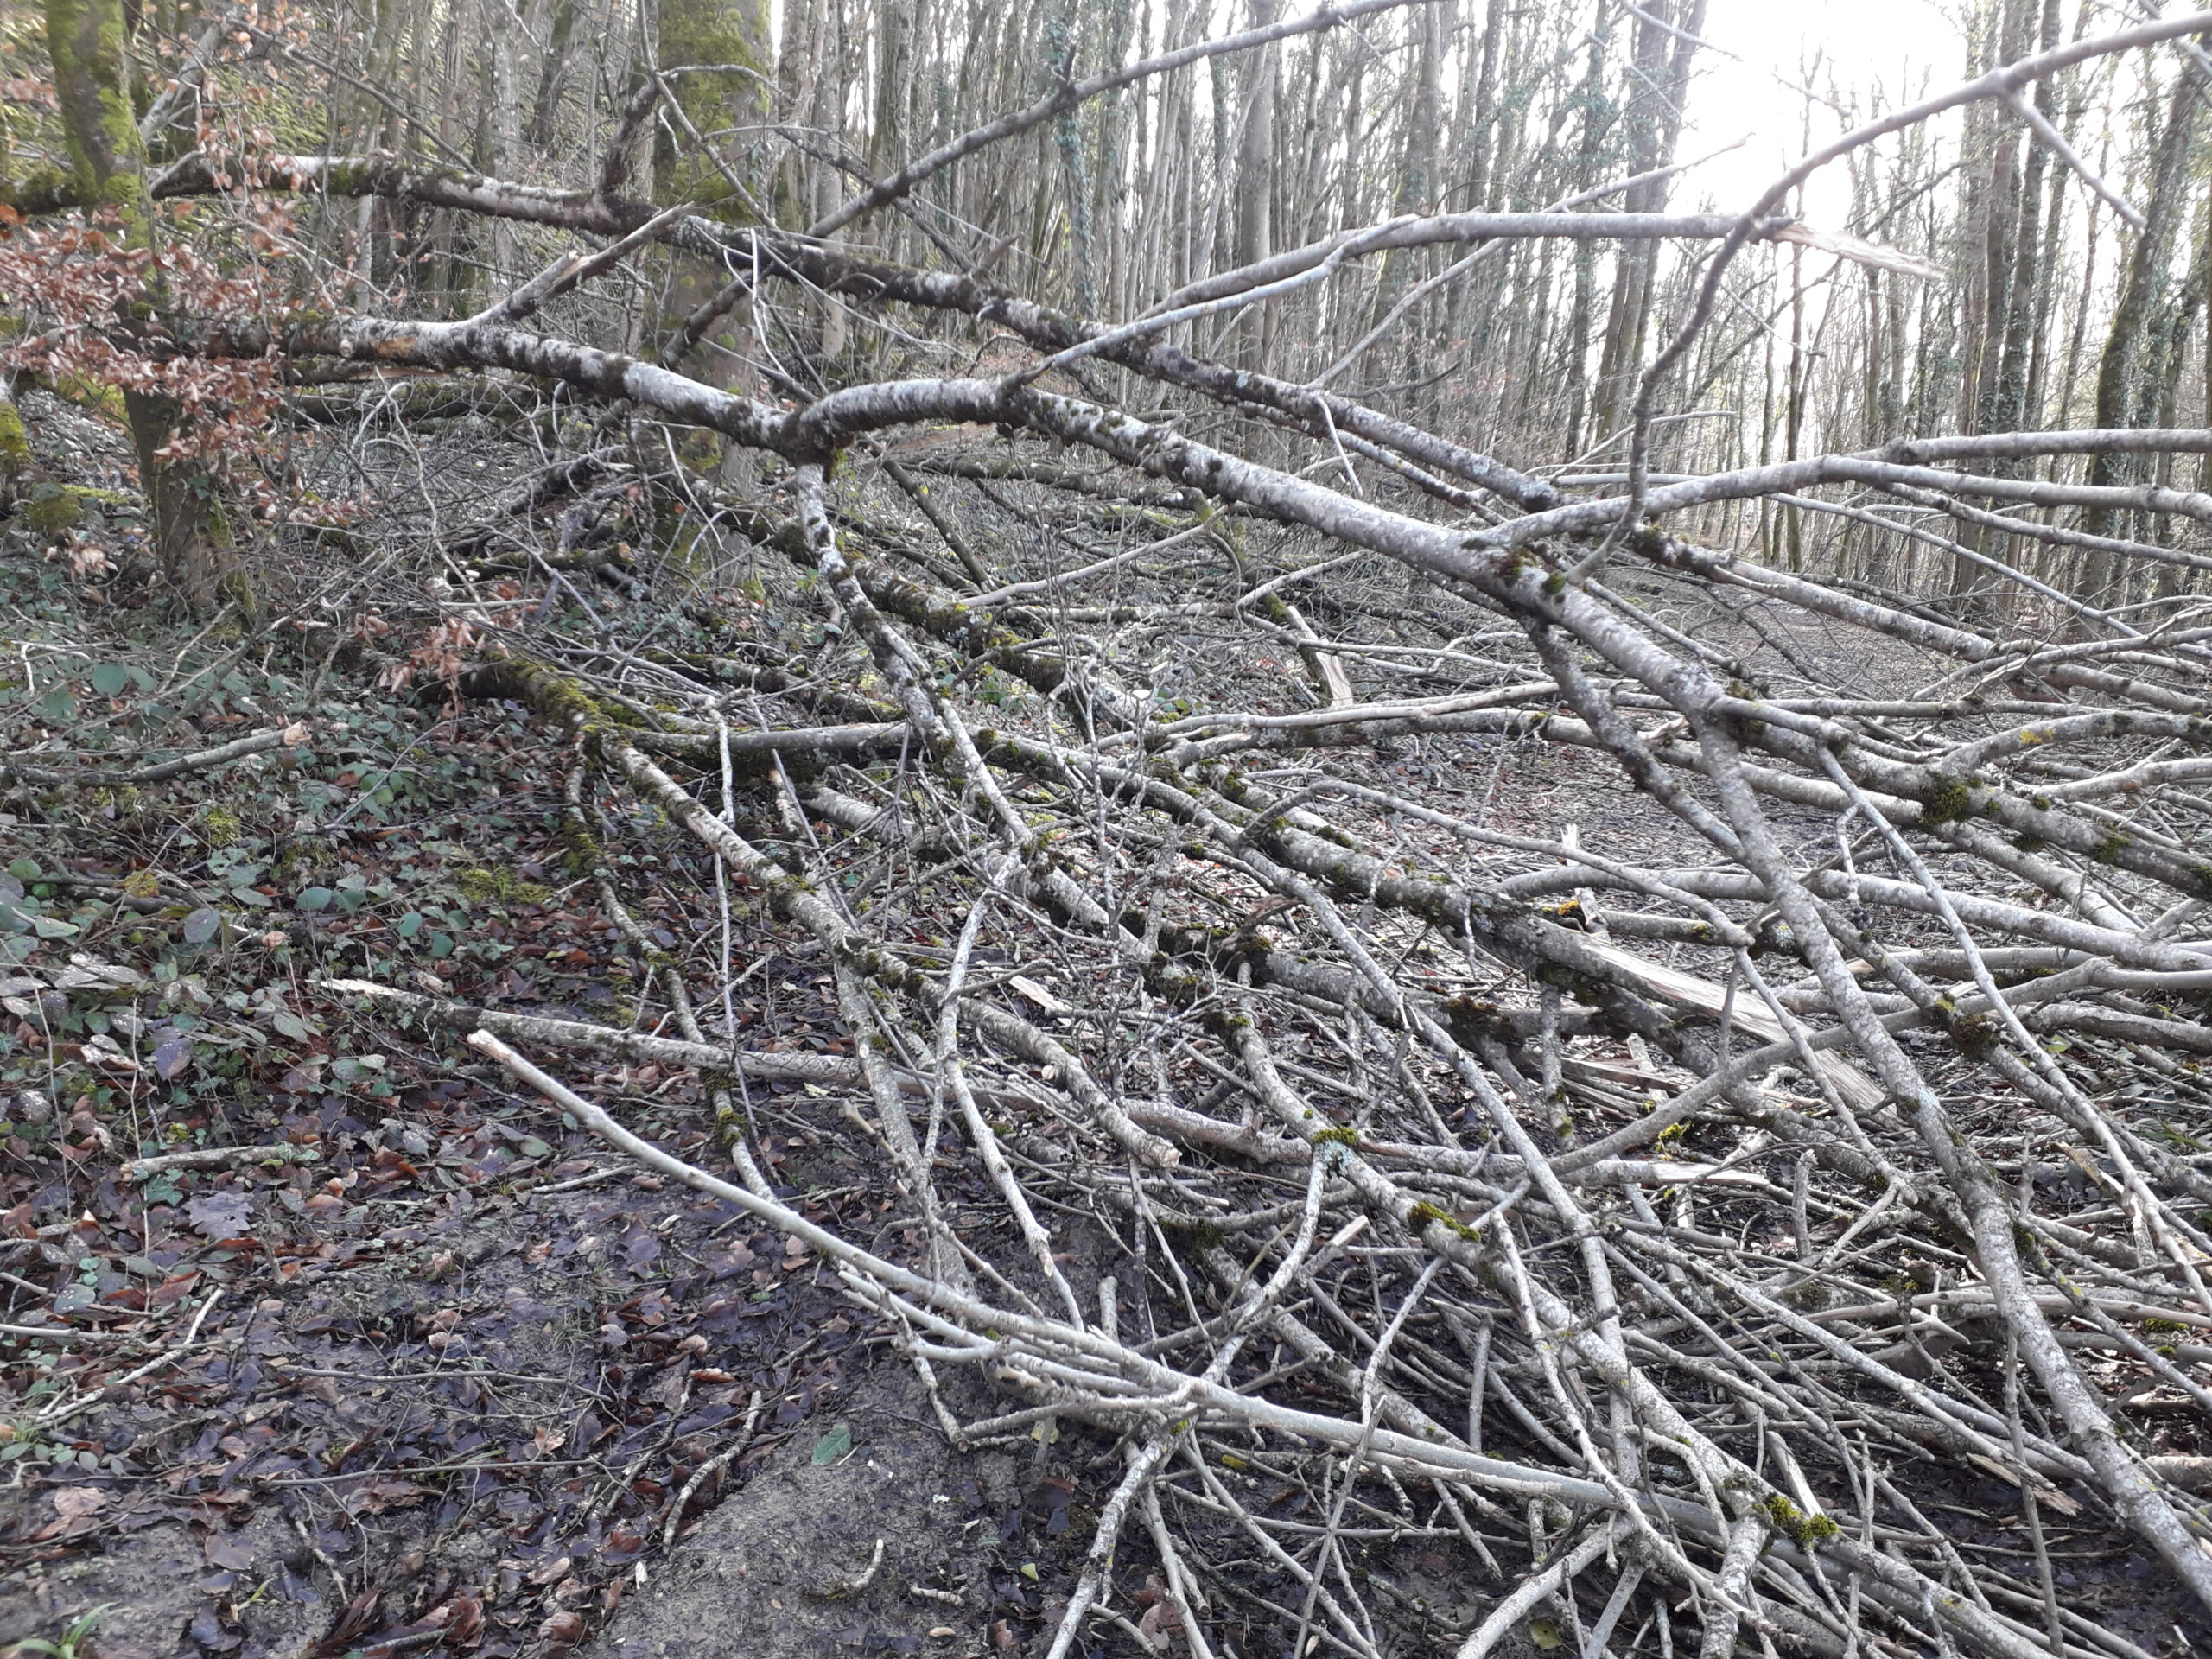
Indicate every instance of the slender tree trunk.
{"type": "Point", "coordinates": [2015, 254]}
{"type": "Point", "coordinates": [2046, 287]}
{"type": "Point", "coordinates": [1256, 165]}
{"type": "Point", "coordinates": [555, 77]}
{"type": "Point", "coordinates": [1793, 520]}
{"type": "Point", "coordinates": [1595, 119]}
{"type": "Point", "coordinates": [2079, 333]}
{"type": "Point", "coordinates": [1655, 123]}
{"type": "Point", "coordinates": [506, 114]}
{"type": "Point", "coordinates": [2146, 277]}
{"type": "Point", "coordinates": [2175, 330]}
{"type": "Point", "coordinates": [1483, 118]}
{"type": "Point", "coordinates": [1417, 167]}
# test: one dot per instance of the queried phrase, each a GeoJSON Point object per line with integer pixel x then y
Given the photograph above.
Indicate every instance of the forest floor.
{"type": "Point", "coordinates": [449, 1361]}
{"type": "Point", "coordinates": [388, 1359]}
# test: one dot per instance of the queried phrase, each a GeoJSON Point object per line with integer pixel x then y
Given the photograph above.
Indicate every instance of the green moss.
{"type": "Point", "coordinates": [14, 442]}
{"type": "Point", "coordinates": [1420, 1217]}
{"type": "Point", "coordinates": [54, 510]}
{"type": "Point", "coordinates": [501, 887]}
{"type": "Point", "coordinates": [1345, 1137]}
{"type": "Point", "coordinates": [219, 825]}
{"type": "Point", "coordinates": [1806, 1531]}
{"type": "Point", "coordinates": [41, 190]}
{"type": "Point", "coordinates": [1946, 801]}
{"type": "Point", "coordinates": [2109, 850]}
{"type": "Point", "coordinates": [87, 42]}
{"type": "Point", "coordinates": [554, 696]}
{"type": "Point", "coordinates": [1974, 1036]}
{"type": "Point", "coordinates": [101, 398]}
{"type": "Point", "coordinates": [708, 32]}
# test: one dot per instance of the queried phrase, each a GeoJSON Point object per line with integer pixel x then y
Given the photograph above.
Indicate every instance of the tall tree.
{"type": "Point", "coordinates": [1666, 33]}
{"type": "Point", "coordinates": [194, 544]}
{"type": "Point", "coordinates": [1255, 212]}
{"type": "Point", "coordinates": [2140, 288]}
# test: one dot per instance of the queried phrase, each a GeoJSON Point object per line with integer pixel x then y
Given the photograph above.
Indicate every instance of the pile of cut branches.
{"type": "Point", "coordinates": [1764, 1204]}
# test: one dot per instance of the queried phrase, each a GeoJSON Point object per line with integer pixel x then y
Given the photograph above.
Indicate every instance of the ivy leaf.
{"type": "Point", "coordinates": [832, 1446]}
{"type": "Point", "coordinates": [316, 899]}
{"type": "Point", "coordinates": [202, 925]}
{"type": "Point", "coordinates": [109, 679]}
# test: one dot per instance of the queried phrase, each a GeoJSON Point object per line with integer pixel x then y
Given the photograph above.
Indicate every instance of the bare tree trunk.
{"type": "Point", "coordinates": [2174, 331]}
{"type": "Point", "coordinates": [1482, 115]}
{"type": "Point", "coordinates": [1576, 344]}
{"type": "Point", "coordinates": [2117, 366]}
{"type": "Point", "coordinates": [1655, 123]}
{"type": "Point", "coordinates": [2015, 302]}
{"type": "Point", "coordinates": [553, 76]}
{"type": "Point", "coordinates": [1255, 161]}
{"type": "Point", "coordinates": [1417, 170]}
{"type": "Point", "coordinates": [2046, 284]}
{"type": "Point", "coordinates": [501, 27]}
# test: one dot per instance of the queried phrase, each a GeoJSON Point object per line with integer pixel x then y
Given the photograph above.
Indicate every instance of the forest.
{"type": "Point", "coordinates": [1106, 829]}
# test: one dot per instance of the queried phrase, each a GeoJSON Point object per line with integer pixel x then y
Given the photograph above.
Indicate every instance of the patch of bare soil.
{"type": "Point", "coordinates": [790, 1565]}
{"type": "Point", "coordinates": [471, 1430]}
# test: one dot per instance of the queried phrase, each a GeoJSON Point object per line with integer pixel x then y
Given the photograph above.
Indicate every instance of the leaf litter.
{"type": "Point", "coordinates": [446, 1370]}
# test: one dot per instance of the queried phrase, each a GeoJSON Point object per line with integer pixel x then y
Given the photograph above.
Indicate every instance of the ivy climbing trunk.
{"type": "Point", "coordinates": [193, 548]}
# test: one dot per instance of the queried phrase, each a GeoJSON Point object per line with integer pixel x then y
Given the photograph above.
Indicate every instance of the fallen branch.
{"type": "Point", "coordinates": [14, 769]}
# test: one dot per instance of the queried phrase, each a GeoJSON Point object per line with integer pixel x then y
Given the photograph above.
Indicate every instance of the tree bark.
{"type": "Point", "coordinates": [193, 548]}
{"type": "Point", "coordinates": [1255, 159]}
{"type": "Point", "coordinates": [1655, 123]}
{"type": "Point", "coordinates": [2146, 273]}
